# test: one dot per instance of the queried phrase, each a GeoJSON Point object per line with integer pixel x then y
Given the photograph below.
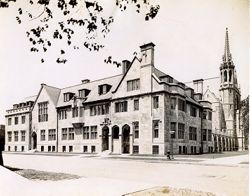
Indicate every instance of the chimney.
{"type": "Point", "coordinates": [85, 81]}
{"type": "Point", "coordinates": [198, 86]}
{"type": "Point", "coordinates": [125, 66]}
{"type": "Point", "coordinates": [147, 52]}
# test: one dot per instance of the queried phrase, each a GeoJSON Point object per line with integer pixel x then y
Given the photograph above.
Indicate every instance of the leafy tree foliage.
{"type": "Point", "coordinates": [245, 119]}
{"type": "Point", "coordinates": [64, 20]}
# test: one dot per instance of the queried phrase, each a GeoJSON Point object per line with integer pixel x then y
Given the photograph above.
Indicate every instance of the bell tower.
{"type": "Point", "coordinates": [230, 93]}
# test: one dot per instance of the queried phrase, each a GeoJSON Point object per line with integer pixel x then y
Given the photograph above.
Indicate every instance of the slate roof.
{"type": "Point", "coordinates": [93, 87]}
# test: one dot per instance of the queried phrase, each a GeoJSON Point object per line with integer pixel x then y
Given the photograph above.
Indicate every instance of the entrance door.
{"type": "Point", "coordinates": [34, 139]}
{"type": "Point", "coordinates": [116, 146]}
{"type": "Point", "coordinates": [105, 138]}
{"type": "Point", "coordinates": [125, 139]}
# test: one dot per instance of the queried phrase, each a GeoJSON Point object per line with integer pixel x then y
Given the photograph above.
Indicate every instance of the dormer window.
{"type": "Point", "coordinates": [83, 93]}
{"type": "Point", "coordinates": [103, 89]}
{"type": "Point", "coordinates": [67, 96]}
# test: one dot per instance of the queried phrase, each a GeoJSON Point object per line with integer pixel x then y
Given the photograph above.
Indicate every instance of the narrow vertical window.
{"type": "Point", "coordinates": [136, 104]}
{"type": "Point", "coordinates": [225, 76]}
{"type": "Point", "coordinates": [155, 128]}
{"type": "Point", "coordinates": [156, 102]}
{"type": "Point", "coordinates": [173, 130]}
{"type": "Point", "coordinates": [136, 129]}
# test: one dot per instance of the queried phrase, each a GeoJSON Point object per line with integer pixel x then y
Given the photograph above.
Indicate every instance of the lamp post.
{"type": "Point", "coordinates": [171, 143]}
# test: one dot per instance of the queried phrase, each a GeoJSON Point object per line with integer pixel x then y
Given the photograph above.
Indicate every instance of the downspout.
{"type": "Point", "coordinates": [30, 130]}
{"type": "Point", "coordinates": [201, 131]}
{"type": "Point", "coordinates": [56, 130]}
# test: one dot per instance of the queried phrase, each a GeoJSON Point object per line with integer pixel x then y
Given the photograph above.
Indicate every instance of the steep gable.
{"type": "Point", "coordinates": [133, 73]}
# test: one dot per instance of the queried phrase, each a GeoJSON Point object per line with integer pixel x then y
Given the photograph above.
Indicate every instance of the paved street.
{"type": "Point", "coordinates": [227, 175]}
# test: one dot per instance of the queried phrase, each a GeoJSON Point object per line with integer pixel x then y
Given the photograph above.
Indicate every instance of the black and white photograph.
{"type": "Point", "coordinates": [124, 97]}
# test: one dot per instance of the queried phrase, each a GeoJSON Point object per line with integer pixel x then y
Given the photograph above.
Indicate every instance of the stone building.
{"type": "Point", "coordinates": [141, 111]}
{"type": "Point", "coordinates": [225, 104]}
{"type": "Point", "coordinates": [18, 125]}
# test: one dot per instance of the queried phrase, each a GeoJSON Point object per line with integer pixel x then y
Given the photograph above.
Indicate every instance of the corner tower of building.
{"type": "Point", "coordinates": [230, 94]}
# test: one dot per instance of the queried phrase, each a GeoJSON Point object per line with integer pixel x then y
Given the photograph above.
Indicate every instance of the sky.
{"type": "Point", "coordinates": [189, 36]}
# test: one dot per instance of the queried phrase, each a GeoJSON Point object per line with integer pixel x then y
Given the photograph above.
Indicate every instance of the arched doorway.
{"type": "Point", "coordinates": [115, 140]}
{"type": "Point", "coordinates": [125, 139]}
{"type": "Point", "coordinates": [105, 138]}
{"type": "Point", "coordinates": [34, 140]}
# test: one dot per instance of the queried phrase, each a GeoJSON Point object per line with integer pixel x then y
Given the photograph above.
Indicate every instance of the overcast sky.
{"type": "Point", "coordinates": [188, 34]}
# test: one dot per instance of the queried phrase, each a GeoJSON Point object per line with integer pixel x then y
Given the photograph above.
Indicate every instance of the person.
{"type": "Point", "coordinates": [168, 155]}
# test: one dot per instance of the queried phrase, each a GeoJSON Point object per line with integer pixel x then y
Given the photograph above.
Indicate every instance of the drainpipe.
{"type": "Point", "coordinates": [57, 130]}
{"type": "Point", "coordinates": [201, 131]}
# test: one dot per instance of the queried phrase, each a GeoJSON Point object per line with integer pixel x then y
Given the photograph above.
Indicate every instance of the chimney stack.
{"type": "Point", "coordinates": [85, 81]}
{"type": "Point", "coordinates": [147, 51]}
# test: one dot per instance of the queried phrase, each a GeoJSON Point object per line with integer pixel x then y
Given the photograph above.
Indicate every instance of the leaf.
{"type": "Point", "coordinates": [20, 11]}
{"type": "Point", "coordinates": [89, 4]}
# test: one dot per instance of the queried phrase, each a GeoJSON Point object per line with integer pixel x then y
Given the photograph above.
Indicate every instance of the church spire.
{"type": "Point", "coordinates": [227, 55]}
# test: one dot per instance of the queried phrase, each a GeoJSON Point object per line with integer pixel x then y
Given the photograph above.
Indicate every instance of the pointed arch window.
{"type": "Point", "coordinates": [230, 75]}
{"type": "Point", "coordinates": [225, 76]}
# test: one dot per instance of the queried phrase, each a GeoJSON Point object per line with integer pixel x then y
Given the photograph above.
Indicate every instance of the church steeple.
{"type": "Point", "coordinates": [227, 61]}
{"type": "Point", "coordinates": [227, 55]}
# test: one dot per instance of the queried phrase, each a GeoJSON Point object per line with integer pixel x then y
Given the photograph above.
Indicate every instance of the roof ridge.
{"type": "Point", "coordinates": [92, 81]}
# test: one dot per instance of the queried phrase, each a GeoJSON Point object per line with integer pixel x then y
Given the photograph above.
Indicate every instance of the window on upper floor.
{"type": "Point", "coordinates": [9, 136]}
{"type": "Point", "coordinates": [136, 129]}
{"type": "Point", "coordinates": [67, 96]}
{"type": "Point", "coordinates": [52, 134]}
{"type": "Point", "coordinates": [173, 103]}
{"type": "Point", "coordinates": [9, 121]}
{"type": "Point", "coordinates": [156, 102]}
{"type": "Point", "coordinates": [62, 114]}
{"type": "Point", "coordinates": [121, 106]}
{"type": "Point", "coordinates": [204, 115]}
{"type": "Point", "coordinates": [192, 111]}
{"type": "Point", "coordinates": [42, 111]}
{"type": "Point", "coordinates": [42, 135]}
{"type": "Point", "coordinates": [81, 111]}
{"type": "Point", "coordinates": [75, 112]}
{"type": "Point", "coordinates": [64, 133]}
{"type": "Point", "coordinates": [85, 133]}
{"type": "Point", "coordinates": [181, 105]}
{"type": "Point", "coordinates": [181, 130]}
{"type": "Point", "coordinates": [136, 104]}
{"type": "Point", "coordinates": [83, 93]}
{"type": "Point", "coordinates": [209, 115]}
{"type": "Point", "coordinates": [93, 132]}
{"type": "Point", "coordinates": [103, 89]}
{"type": "Point", "coordinates": [23, 132]}
{"type": "Point", "coordinates": [209, 135]}
{"type": "Point", "coordinates": [15, 136]}
{"type": "Point", "coordinates": [204, 135]}
{"type": "Point", "coordinates": [99, 109]}
{"type": "Point", "coordinates": [71, 133]}
{"type": "Point", "coordinates": [23, 119]}
{"type": "Point", "coordinates": [155, 128]}
{"type": "Point", "coordinates": [173, 129]}
{"type": "Point", "coordinates": [16, 120]}
{"type": "Point", "coordinates": [193, 133]}
{"type": "Point", "coordinates": [133, 85]}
